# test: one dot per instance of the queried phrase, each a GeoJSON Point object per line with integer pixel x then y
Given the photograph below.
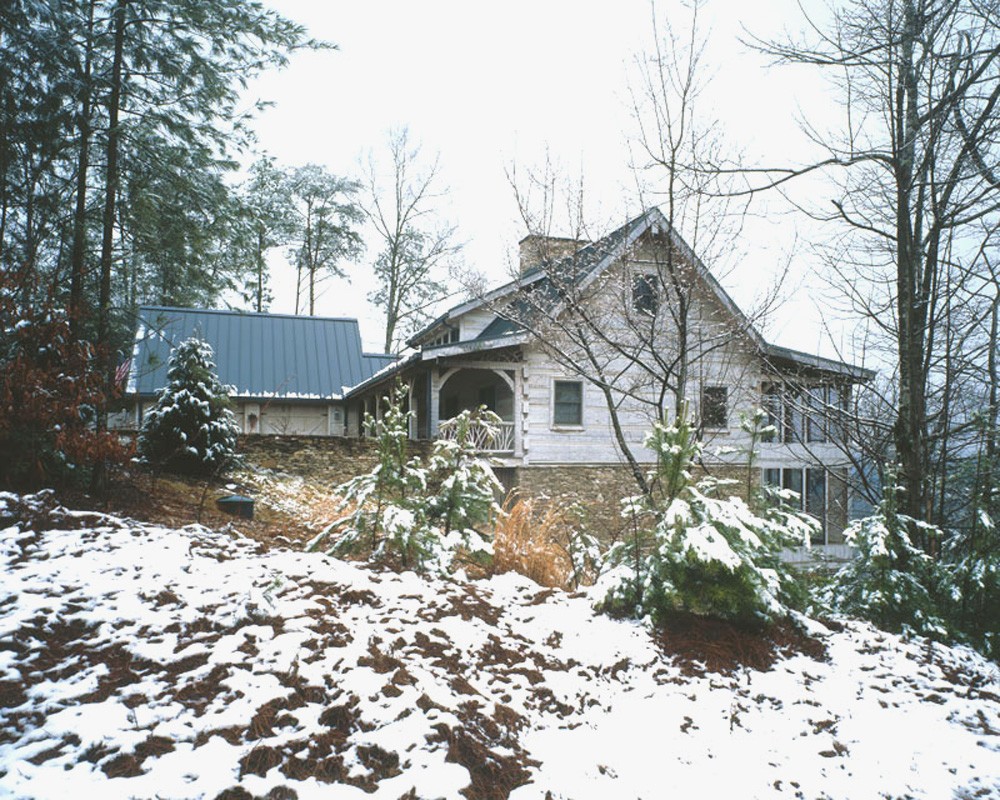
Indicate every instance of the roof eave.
{"type": "Point", "coordinates": [473, 346]}
{"type": "Point", "coordinates": [861, 374]}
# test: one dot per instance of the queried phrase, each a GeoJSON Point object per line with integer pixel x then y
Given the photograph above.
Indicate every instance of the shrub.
{"type": "Point", "coordinates": [51, 391]}
{"type": "Point", "coordinates": [191, 429]}
{"type": "Point", "coordinates": [891, 582]}
{"type": "Point", "coordinates": [690, 551]}
{"type": "Point", "coordinates": [406, 514]}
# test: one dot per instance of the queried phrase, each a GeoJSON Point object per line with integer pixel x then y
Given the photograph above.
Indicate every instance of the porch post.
{"type": "Point", "coordinates": [434, 412]}
{"type": "Point", "coordinates": [518, 416]}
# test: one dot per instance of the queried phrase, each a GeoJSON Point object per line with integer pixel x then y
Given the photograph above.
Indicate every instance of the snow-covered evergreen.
{"type": "Point", "coordinates": [892, 581]}
{"type": "Point", "coordinates": [694, 552]}
{"type": "Point", "coordinates": [191, 429]}
{"type": "Point", "coordinates": [410, 514]}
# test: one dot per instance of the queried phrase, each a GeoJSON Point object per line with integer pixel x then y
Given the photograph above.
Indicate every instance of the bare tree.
{"type": "Point", "coordinates": [415, 246]}
{"type": "Point", "coordinates": [916, 166]}
{"type": "Point", "coordinates": [654, 329]}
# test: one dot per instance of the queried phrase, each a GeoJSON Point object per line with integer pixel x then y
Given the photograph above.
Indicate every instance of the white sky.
{"type": "Point", "coordinates": [488, 84]}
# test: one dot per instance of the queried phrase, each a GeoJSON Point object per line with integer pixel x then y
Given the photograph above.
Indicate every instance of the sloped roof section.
{"type": "Point", "coordinates": [259, 355]}
{"type": "Point", "coordinates": [547, 284]}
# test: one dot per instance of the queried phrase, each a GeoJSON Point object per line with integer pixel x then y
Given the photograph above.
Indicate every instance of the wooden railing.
{"type": "Point", "coordinates": [487, 439]}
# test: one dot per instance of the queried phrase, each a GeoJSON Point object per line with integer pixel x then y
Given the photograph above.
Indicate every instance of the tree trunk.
{"type": "Point", "coordinates": [104, 362]}
{"type": "Point", "coordinates": [78, 255]}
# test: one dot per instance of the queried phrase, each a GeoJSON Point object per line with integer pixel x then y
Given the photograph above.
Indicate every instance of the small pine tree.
{"type": "Point", "coordinates": [464, 503]}
{"type": "Point", "coordinates": [383, 518]}
{"type": "Point", "coordinates": [406, 514]}
{"type": "Point", "coordinates": [891, 582]}
{"type": "Point", "coordinates": [970, 591]}
{"type": "Point", "coordinates": [191, 429]}
{"type": "Point", "coordinates": [698, 553]}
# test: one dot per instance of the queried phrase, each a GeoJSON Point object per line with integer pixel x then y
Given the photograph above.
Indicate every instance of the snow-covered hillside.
{"type": "Point", "coordinates": [141, 662]}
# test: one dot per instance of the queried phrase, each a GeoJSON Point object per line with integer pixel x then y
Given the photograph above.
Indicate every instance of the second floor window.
{"type": "Point", "coordinates": [714, 412]}
{"type": "Point", "coordinates": [803, 413]}
{"type": "Point", "coordinates": [567, 403]}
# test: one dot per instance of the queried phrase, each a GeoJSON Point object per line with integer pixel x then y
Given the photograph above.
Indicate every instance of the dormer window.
{"type": "Point", "coordinates": [449, 336]}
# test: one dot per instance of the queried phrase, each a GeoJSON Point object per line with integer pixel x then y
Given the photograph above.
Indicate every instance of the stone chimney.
{"type": "Point", "coordinates": [540, 251]}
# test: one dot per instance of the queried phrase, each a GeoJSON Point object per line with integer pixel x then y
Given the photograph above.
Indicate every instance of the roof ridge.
{"type": "Point", "coordinates": [238, 313]}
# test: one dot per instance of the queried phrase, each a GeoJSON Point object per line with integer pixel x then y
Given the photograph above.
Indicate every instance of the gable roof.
{"type": "Point", "coordinates": [259, 355]}
{"type": "Point", "coordinates": [548, 282]}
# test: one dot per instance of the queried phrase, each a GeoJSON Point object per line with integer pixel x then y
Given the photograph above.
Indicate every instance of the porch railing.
{"type": "Point", "coordinates": [493, 439]}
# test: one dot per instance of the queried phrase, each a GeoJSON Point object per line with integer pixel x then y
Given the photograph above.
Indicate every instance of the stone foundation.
{"type": "Point", "coordinates": [598, 490]}
{"type": "Point", "coordinates": [330, 459]}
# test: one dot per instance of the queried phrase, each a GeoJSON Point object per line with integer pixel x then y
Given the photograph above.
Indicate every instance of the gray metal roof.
{"type": "Point", "coordinates": [259, 355]}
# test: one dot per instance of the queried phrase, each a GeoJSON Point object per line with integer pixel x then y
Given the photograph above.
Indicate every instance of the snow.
{"type": "Point", "coordinates": [115, 632]}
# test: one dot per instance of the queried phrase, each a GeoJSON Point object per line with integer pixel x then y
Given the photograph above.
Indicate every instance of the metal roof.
{"type": "Point", "coordinates": [258, 355]}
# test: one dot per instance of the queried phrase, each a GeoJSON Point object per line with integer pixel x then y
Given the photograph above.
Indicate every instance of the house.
{"type": "Point", "coordinates": [288, 374]}
{"type": "Point", "coordinates": [579, 354]}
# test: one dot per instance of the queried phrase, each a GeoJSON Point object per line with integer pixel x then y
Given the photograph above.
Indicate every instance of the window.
{"type": "Point", "coordinates": [713, 407]}
{"type": "Point", "coordinates": [448, 337]}
{"type": "Point", "coordinates": [771, 402]}
{"type": "Point", "coordinates": [644, 294]}
{"type": "Point", "coordinates": [567, 403]}
{"type": "Point", "coordinates": [816, 418]}
{"type": "Point", "coordinates": [816, 501]}
{"type": "Point", "coordinates": [802, 414]}
{"type": "Point", "coordinates": [810, 486]}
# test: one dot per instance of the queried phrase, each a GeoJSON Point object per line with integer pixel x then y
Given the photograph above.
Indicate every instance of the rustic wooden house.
{"type": "Point", "coordinates": [569, 401]}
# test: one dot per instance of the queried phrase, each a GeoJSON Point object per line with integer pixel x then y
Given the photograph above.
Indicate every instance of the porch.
{"type": "Point", "coordinates": [437, 393]}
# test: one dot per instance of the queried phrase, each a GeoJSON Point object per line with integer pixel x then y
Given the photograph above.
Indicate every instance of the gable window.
{"type": "Point", "coordinates": [644, 294]}
{"type": "Point", "coordinates": [714, 413]}
{"type": "Point", "coordinates": [567, 403]}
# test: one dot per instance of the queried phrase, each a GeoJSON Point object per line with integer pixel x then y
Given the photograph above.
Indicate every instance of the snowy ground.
{"type": "Point", "coordinates": [141, 662]}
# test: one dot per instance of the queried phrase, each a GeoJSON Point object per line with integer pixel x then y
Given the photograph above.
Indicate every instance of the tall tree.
{"type": "Point", "coordinates": [415, 246]}
{"type": "Point", "coordinates": [919, 191]}
{"type": "Point", "coordinates": [263, 222]}
{"type": "Point", "coordinates": [324, 217]}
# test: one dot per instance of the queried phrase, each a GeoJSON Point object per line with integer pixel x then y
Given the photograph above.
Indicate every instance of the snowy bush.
{"type": "Point", "coordinates": [191, 429]}
{"type": "Point", "coordinates": [891, 582]}
{"type": "Point", "coordinates": [694, 552]}
{"type": "Point", "coordinates": [971, 590]}
{"type": "Point", "coordinates": [410, 515]}
{"type": "Point", "coordinates": [463, 503]}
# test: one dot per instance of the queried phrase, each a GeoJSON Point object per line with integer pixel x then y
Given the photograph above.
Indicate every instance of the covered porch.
{"type": "Point", "coordinates": [437, 393]}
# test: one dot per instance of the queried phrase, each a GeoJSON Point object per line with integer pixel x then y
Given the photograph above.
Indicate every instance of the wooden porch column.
{"type": "Point", "coordinates": [434, 412]}
{"type": "Point", "coordinates": [518, 414]}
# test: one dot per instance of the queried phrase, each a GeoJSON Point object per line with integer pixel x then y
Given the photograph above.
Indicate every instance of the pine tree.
{"type": "Point", "coordinates": [697, 553]}
{"type": "Point", "coordinates": [891, 582]}
{"type": "Point", "coordinates": [191, 429]}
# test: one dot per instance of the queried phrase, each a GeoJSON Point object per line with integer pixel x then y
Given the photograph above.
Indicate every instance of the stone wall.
{"type": "Point", "coordinates": [598, 490]}
{"type": "Point", "coordinates": [329, 459]}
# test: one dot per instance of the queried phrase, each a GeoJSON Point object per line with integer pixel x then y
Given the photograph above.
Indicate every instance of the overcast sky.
{"type": "Point", "coordinates": [487, 85]}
